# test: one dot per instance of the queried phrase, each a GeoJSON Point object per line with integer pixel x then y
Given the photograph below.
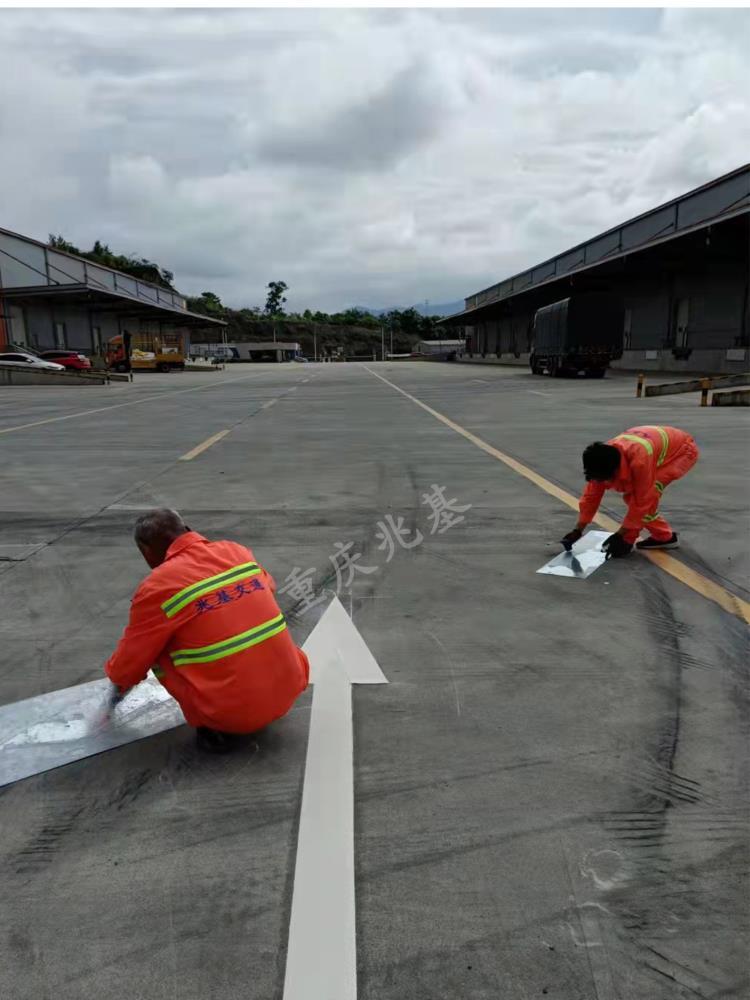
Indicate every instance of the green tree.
{"type": "Point", "coordinates": [207, 304]}
{"type": "Point", "coordinates": [275, 299]}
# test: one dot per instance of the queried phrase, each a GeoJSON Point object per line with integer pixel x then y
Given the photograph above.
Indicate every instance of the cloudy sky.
{"type": "Point", "coordinates": [380, 157]}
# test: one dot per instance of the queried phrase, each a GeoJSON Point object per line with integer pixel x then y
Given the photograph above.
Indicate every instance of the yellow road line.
{"type": "Point", "coordinates": [131, 402]}
{"type": "Point", "coordinates": [696, 581]}
{"type": "Point", "coordinates": [202, 447]}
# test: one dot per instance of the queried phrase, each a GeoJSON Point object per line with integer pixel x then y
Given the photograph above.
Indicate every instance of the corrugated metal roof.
{"type": "Point", "coordinates": [723, 198]}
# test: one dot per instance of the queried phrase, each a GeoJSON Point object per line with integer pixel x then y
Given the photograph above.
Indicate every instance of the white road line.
{"type": "Point", "coordinates": [321, 959]}
{"type": "Point", "coordinates": [538, 393]}
{"type": "Point", "coordinates": [131, 402]}
{"type": "Point", "coordinates": [269, 404]}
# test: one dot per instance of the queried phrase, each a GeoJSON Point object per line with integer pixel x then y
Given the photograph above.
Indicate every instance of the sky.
{"type": "Point", "coordinates": [366, 157]}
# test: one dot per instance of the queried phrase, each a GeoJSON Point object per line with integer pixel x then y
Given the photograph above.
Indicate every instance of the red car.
{"type": "Point", "coordinates": [68, 359]}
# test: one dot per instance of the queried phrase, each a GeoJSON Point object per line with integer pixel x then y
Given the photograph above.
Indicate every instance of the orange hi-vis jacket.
{"type": "Point", "coordinates": [208, 617]}
{"type": "Point", "coordinates": [651, 458]}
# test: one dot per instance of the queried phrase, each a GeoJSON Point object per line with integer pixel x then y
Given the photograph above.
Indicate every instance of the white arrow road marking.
{"type": "Point", "coordinates": [321, 961]}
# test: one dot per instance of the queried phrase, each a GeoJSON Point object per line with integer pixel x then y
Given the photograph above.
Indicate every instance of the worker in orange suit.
{"type": "Point", "coordinates": [640, 463]}
{"type": "Point", "coordinates": [207, 621]}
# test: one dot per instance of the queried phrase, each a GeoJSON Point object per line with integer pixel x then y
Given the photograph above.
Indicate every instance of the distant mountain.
{"type": "Point", "coordinates": [430, 309]}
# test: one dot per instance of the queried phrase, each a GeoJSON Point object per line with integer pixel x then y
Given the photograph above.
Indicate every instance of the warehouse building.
{"type": "Point", "coordinates": [244, 350]}
{"type": "Point", "coordinates": [682, 272]}
{"type": "Point", "coordinates": [50, 299]}
{"type": "Point", "coordinates": [437, 348]}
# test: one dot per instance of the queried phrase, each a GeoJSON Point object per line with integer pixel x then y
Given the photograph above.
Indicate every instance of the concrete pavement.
{"type": "Point", "coordinates": [550, 793]}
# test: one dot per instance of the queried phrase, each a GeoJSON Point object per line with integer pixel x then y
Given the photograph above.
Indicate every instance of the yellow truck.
{"type": "Point", "coordinates": [160, 352]}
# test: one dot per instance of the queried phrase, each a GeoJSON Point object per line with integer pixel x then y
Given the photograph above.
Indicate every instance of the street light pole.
{"type": "Point", "coordinates": [382, 342]}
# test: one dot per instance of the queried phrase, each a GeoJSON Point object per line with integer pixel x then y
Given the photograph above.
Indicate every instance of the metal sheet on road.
{"type": "Point", "coordinates": [585, 558]}
{"type": "Point", "coordinates": [53, 729]}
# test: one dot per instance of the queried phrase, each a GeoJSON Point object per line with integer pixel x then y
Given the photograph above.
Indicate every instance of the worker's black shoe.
{"type": "Point", "coordinates": [654, 543]}
{"type": "Point", "coordinates": [213, 741]}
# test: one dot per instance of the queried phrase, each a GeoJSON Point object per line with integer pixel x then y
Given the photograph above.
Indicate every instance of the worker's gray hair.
{"type": "Point", "coordinates": [158, 527]}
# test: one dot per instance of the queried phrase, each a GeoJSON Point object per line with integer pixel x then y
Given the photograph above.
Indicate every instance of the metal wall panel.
{"type": "Point", "coordinates": [715, 304]}
{"type": "Point", "coordinates": [39, 325]}
{"type": "Point", "coordinates": [127, 285]}
{"type": "Point", "coordinates": [77, 326]}
{"type": "Point", "coordinates": [522, 281]}
{"type": "Point", "coordinates": [543, 272]}
{"type": "Point", "coordinates": [65, 270]}
{"type": "Point", "coordinates": [100, 276]}
{"type": "Point", "coordinates": [649, 315]}
{"type": "Point", "coordinates": [21, 263]}
{"type": "Point", "coordinates": [569, 260]}
{"type": "Point", "coordinates": [713, 201]}
{"type": "Point", "coordinates": [653, 226]}
{"type": "Point", "coordinates": [147, 292]}
{"type": "Point", "coordinates": [598, 249]}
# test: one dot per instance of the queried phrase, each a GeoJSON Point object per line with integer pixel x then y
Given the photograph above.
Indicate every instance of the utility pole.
{"type": "Point", "coordinates": [390, 325]}
{"type": "Point", "coordinates": [382, 342]}
{"type": "Point", "coordinates": [315, 346]}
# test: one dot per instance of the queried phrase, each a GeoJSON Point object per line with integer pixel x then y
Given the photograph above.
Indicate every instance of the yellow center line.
{"type": "Point", "coordinates": [696, 581]}
{"type": "Point", "coordinates": [130, 402]}
{"type": "Point", "coordinates": [202, 447]}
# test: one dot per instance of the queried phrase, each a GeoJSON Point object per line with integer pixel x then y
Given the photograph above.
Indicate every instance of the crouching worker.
{"type": "Point", "coordinates": [640, 464]}
{"type": "Point", "coordinates": [207, 621]}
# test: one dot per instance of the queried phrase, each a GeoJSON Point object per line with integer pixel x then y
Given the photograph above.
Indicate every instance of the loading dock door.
{"type": "Point", "coordinates": [682, 312]}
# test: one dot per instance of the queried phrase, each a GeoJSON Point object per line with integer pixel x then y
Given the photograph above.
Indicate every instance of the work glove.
{"type": "Point", "coordinates": [570, 539]}
{"type": "Point", "coordinates": [616, 547]}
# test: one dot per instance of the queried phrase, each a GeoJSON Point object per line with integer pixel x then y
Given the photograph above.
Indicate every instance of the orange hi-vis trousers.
{"type": "Point", "coordinates": [672, 470]}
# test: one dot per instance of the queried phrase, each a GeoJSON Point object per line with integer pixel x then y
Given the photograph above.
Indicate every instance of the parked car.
{"type": "Point", "coordinates": [68, 359]}
{"type": "Point", "coordinates": [30, 361]}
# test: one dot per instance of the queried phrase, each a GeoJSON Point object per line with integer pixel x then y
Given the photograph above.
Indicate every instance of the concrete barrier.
{"type": "Point", "coordinates": [694, 384]}
{"type": "Point", "coordinates": [738, 397]}
{"type": "Point", "coordinates": [15, 375]}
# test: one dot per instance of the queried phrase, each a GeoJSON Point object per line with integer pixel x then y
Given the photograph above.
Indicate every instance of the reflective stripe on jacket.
{"type": "Point", "coordinates": [208, 617]}
{"type": "Point", "coordinates": [644, 451]}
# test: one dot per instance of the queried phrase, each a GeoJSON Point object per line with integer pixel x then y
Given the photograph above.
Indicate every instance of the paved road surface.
{"type": "Point", "coordinates": [550, 793]}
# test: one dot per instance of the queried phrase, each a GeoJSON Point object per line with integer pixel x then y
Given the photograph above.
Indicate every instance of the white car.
{"type": "Point", "coordinates": [30, 361]}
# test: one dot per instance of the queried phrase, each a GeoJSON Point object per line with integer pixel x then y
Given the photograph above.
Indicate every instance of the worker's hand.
{"type": "Point", "coordinates": [571, 538]}
{"type": "Point", "coordinates": [616, 547]}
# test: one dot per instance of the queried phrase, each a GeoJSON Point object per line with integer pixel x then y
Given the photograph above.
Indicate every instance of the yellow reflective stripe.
{"type": "Point", "coordinates": [228, 647]}
{"type": "Point", "coordinates": [157, 672]}
{"type": "Point", "coordinates": [664, 443]}
{"type": "Point", "coordinates": [648, 518]}
{"type": "Point", "coordinates": [200, 588]}
{"type": "Point", "coordinates": [659, 487]}
{"type": "Point", "coordinates": [634, 437]}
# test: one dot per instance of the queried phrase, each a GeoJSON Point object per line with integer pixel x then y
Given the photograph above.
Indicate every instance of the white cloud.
{"type": "Point", "coordinates": [378, 157]}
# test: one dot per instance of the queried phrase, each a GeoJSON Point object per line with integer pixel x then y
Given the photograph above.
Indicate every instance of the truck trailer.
{"type": "Point", "coordinates": [582, 333]}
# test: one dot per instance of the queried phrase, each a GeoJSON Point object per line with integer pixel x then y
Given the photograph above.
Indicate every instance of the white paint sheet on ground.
{"type": "Point", "coordinates": [584, 559]}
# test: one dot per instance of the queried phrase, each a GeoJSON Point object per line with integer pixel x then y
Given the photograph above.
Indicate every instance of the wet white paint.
{"type": "Point", "coordinates": [606, 869]}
